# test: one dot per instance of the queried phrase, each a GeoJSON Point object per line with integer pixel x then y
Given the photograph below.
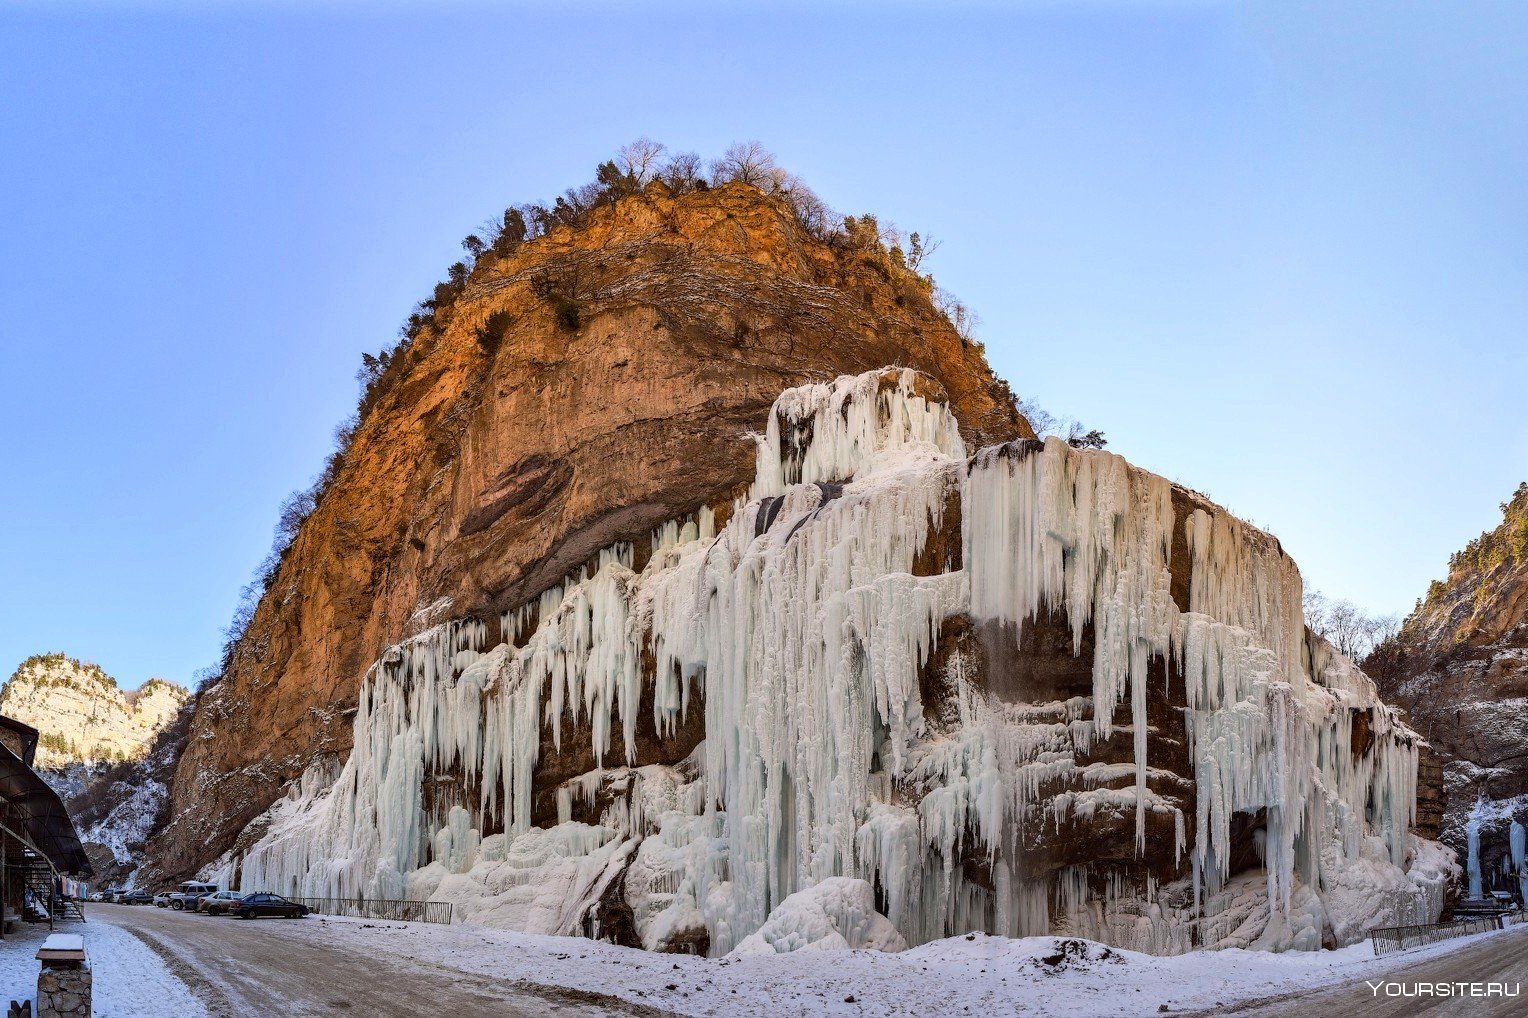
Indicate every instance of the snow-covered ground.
{"type": "Point", "coordinates": [130, 980]}
{"type": "Point", "coordinates": [973, 974]}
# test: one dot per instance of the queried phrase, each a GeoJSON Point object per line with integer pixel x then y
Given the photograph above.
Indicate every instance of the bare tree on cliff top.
{"type": "Point", "coordinates": [641, 160]}
{"type": "Point", "coordinates": [1345, 626]}
{"type": "Point", "coordinates": [747, 162]}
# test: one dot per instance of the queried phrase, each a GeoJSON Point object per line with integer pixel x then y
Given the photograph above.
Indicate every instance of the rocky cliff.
{"type": "Point", "coordinates": [691, 577]}
{"type": "Point", "coordinates": [630, 361]}
{"type": "Point", "coordinates": [81, 715]}
{"type": "Point", "coordinates": [1460, 667]}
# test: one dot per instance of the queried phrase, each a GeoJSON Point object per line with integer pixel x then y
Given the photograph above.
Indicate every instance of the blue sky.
{"type": "Point", "coordinates": [1277, 252]}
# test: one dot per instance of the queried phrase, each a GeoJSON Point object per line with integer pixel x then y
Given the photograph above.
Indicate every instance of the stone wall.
{"type": "Point", "coordinates": [64, 992]}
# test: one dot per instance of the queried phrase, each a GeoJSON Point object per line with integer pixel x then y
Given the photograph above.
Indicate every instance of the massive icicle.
{"type": "Point", "coordinates": [805, 629]}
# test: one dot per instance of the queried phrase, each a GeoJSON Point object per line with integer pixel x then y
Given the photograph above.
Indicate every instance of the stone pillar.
{"type": "Point", "coordinates": [63, 991]}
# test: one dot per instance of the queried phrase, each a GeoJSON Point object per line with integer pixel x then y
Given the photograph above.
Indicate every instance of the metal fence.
{"type": "Point", "coordinates": [380, 908]}
{"type": "Point", "coordinates": [1400, 938]}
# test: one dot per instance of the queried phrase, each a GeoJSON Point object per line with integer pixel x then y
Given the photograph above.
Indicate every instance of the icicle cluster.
{"type": "Point", "coordinates": [804, 632]}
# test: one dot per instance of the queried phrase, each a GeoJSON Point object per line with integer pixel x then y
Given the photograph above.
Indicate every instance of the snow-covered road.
{"type": "Point", "coordinates": [1418, 987]}
{"type": "Point", "coordinates": [288, 967]}
{"type": "Point", "coordinates": [324, 965]}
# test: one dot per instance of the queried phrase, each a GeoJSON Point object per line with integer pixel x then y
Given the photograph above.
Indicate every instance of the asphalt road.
{"type": "Point", "coordinates": [1500, 958]}
{"type": "Point", "coordinates": [242, 968]}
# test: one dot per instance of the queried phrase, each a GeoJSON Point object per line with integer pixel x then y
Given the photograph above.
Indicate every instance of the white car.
{"type": "Point", "coordinates": [162, 899]}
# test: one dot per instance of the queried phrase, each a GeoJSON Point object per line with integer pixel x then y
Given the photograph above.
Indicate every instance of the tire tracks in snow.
{"type": "Point", "coordinates": [203, 989]}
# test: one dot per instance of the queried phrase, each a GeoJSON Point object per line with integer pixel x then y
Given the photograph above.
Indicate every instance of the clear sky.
{"type": "Point", "coordinates": [1277, 252]}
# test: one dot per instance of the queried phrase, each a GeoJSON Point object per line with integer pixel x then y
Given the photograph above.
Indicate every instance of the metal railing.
{"type": "Point", "coordinates": [1400, 938]}
{"type": "Point", "coordinates": [381, 908]}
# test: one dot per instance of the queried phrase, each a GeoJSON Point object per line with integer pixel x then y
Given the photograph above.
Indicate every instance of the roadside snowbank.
{"type": "Point", "coordinates": [130, 979]}
{"type": "Point", "coordinates": [975, 974]}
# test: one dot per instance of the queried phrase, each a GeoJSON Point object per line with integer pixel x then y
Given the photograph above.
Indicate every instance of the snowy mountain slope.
{"type": "Point", "coordinates": [120, 806]}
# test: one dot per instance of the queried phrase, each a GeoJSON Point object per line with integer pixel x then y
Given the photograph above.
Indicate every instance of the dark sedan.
{"type": "Point", "coordinates": [256, 906]}
{"type": "Point", "coordinates": [136, 898]}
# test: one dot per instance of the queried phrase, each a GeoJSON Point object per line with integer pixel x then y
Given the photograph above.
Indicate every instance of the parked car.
{"type": "Point", "coordinates": [96, 896]}
{"type": "Point", "coordinates": [136, 898]}
{"type": "Point", "coordinates": [162, 899]}
{"type": "Point", "coordinates": [257, 906]}
{"type": "Point", "coordinates": [220, 903]}
{"type": "Point", "coordinates": [191, 892]}
{"type": "Point", "coordinates": [110, 894]}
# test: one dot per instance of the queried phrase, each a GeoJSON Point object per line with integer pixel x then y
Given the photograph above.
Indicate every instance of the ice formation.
{"type": "Point", "coordinates": [837, 914]}
{"type": "Point", "coordinates": [1516, 842]}
{"type": "Point", "coordinates": [832, 790]}
{"type": "Point", "coordinates": [1472, 834]}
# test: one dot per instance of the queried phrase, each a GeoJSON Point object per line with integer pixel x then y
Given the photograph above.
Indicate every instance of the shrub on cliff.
{"type": "Point", "coordinates": [491, 333]}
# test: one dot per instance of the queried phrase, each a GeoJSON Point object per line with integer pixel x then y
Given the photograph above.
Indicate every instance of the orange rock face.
{"type": "Point", "coordinates": [640, 353]}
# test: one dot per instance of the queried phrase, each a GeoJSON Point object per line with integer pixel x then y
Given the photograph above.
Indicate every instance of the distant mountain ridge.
{"type": "Point", "coordinates": [82, 715]}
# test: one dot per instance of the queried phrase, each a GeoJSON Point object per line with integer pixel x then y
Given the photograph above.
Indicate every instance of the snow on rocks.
{"type": "Point", "coordinates": [803, 629]}
{"type": "Point", "coordinates": [837, 914]}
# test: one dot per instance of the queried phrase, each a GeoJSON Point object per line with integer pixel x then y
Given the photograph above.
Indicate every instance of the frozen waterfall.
{"type": "Point", "coordinates": [806, 631]}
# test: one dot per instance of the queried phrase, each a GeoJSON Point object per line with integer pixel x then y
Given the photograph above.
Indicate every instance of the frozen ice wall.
{"type": "Point", "coordinates": [1516, 842]}
{"type": "Point", "coordinates": [1472, 834]}
{"type": "Point", "coordinates": [838, 744]}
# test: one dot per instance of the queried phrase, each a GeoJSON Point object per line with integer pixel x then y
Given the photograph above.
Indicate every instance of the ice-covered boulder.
{"type": "Point", "coordinates": [836, 915]}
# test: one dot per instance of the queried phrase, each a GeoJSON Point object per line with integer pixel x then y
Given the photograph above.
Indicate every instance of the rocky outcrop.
{"type": "Point", "coordinates": [626, 365]}
{"type": "Point", "coordinates": [689, 563]}
{"type": "Point", "coordinates": [81, 715]}
{"type": "Point", "coordinates": [1460, 667]}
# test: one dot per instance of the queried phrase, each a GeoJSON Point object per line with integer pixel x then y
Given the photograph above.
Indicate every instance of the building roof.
{"type": "Point", "coordinates": [21, 738]}
{"type": "Point", "coordinates": [41, 814]}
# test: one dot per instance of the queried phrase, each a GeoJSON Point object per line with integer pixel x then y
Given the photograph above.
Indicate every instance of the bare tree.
{"type": "Point", "coordinates": [681, 173]}
{"type": "Point", "coordinates": [1040, 419]}
{"type": "Point", "coordinates": [1314, 604]}
{"type": "Point", "coordinates": [957, 314]}
{"type": "Point", "coordinates": [747, 162]}
{"type": "Point", "coordinates": [1354, 632]}
{"type": "Point", "coordinates": [641, 160]}
{"type": "Point", "coordinates": [810, 211]}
